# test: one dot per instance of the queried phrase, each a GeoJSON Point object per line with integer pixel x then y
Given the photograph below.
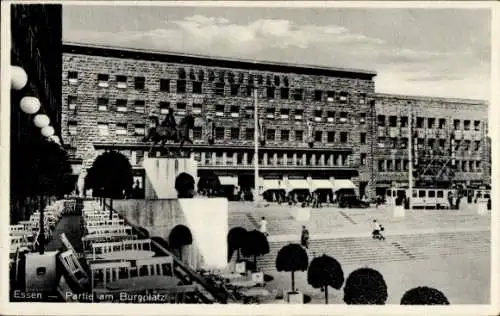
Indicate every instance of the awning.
{"type": "Point", "coordinates": [298, 184]}
{"type": "Point", "coordinates": [321, 184]}
{"type": "Point", "coordinates": [339, 184]}
{"type": "Point", "coordinates": [272, 184]}
{"type": "Point", "coordinates": [228, 181]}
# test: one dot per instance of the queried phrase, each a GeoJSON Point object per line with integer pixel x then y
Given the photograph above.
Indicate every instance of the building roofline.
{"type": "Point", "coordinates": [156, 55]}
{"type": "Point", "coordinates": [429, 98]}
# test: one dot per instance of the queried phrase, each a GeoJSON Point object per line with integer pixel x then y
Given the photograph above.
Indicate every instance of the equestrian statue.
{"type": "Point", "coordinates": [161, 132]}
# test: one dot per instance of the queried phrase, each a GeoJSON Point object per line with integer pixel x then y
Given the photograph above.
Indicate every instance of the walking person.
{"type": "Point", "coordinates": [263, 226]}
{"type": "Point", "coordinates": [304, 237]}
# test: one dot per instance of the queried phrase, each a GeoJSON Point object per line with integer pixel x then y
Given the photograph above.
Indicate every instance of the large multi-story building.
{"type": "Point", "coordinates": [108, 94]}
{"type": "Point", "coordinates": [36, 46]}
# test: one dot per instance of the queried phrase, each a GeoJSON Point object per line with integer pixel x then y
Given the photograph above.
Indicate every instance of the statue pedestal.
{"type": "Point", "coordinates": [161, 174]}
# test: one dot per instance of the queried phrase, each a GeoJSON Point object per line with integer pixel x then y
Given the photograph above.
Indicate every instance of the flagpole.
{"type": "Point", "coordinates": [256, 148]}
{"type": "Point", "coordinates": [410, 156]}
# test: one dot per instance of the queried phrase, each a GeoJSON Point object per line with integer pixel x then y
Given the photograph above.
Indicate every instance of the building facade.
{"type": "Point", "coordinates": [36, 46]}
{"type": "Point", "coordinates": [319, 124]}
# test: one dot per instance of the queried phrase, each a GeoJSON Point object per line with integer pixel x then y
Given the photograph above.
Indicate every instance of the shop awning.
{"type": "Point", "coordinates": [272, 184]}
{"type": "Point", "coordinates": [339, 184]}
{"type": "Point", "coordinates": [298, 184]}
{"type": "Point", "coordinates": [228, 180]}
{"type": "Point", "coordinates": [321, 184]}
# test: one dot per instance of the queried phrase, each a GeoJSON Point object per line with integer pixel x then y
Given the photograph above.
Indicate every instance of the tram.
{"type": "Point", "coordinates": [426, 198]}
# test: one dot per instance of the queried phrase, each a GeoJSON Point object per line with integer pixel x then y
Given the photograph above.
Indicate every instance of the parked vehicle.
{"type": "Point", "coordinates": [352, 201]}
{"type": "Point", "coordinates": [421, 197]}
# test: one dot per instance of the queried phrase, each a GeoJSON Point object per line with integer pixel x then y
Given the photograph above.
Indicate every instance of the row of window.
{"type": "Point", "coordinates": [390, 165]}
{"type": "Point", "coordinates": [432, 122]}
{"type": "Point", "coordinates": [431, 143]}
{"type": "Point", "coordinates": [235, 89]}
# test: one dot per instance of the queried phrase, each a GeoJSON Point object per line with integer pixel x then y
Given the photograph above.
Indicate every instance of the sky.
{"type": "Point", "coordinates": [427, 52]}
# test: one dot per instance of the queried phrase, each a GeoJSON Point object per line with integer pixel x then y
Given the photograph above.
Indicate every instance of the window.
{"type": "Point", "coordinates": [285, 93]}
{"type": "Point", "coordinates": [362, 118]}
{"type": "Point", "coordinates": [181, 73]}
{"type": "Point", "coordinates": [343, 137]}
{"type": "Point", "coordinates": [403, 144]}
{"type": "Point", "coordinates": [260, 79]}
{"type": "Point", "coordinates": [456, 124]}
{"type": "Point", "coordinates": [393, 142]}
{"type": "Point", "coordinates": [234, 89]}
{"type": "Point", "coordinates": [318, 136]}
{"type": "Point", "coordinates": [197, 107]}
{"type": "Point", "coordinates": [285, 135]}
{"type": "Point", "coordinates": [467, 125]}
{"type": "Point", "coordinates": [299, 114]}
{"type": "Point", "coordinates": [102, 104]}
{"type": "Point", "coordinates": [219, 110]}
{"type": "Point", "coordinates": [72, 77]}
{"type": "Point", "coordinates": [442, 123]}
{"type": "Point", "coordinates": [285, 81]}
{"type": "Point", "coordinates": [404, 121]}
{"type": "Point", "coordinates": [362, 98]}
{"type": "Point", "coordinates": [471, 166]}
{"type": "Point", "coordinates": [298, 94]}
{"type": "Point", "coordinates": [478, 165]}
{"type": "Point", "coordinates": [192, 75]}
{"type": "Point", "coordinates": [139, 130]}
{"type": "Point", "coordinates": [221, 76]}
{"type": "Point", "coordinates": [477, 145]}
{"type": "Point", "coordinates": [421, 193]}
{"type": "Point", "coordinates": [381, 165]}
{"type": "Point", "coordinates": [235, 133]}
{"type": "Point", "coordinates": [219, 88]}
{"type": "Point", "coordinates": [363, 159]}
{"type": "Point", "coordinates": [270, 113]}
{"type": "Point", "coordinates": [241, 77]}
{"type": "Point", "coordinates": [121, 129]}
{"type": "Point", "coordinates": [72, 128]}
{"type": "Point", "coordinates": [249, 134]}
{"type": "Point", "coordinates": [430, 122]}
{"type": "Point", "coordinates": [393, 121]}
{"type": "Point", "coordinates": [343, 97]}
{"type": "Point", "coordinates": [432, 193]}
{"type": "Point", "coordinates": [72, 102]}
{"type": "Point", "coordinates": [467, 145]}
{"type": "Point", "coordinates": [441, 144]}
{"type": "Point", "coordinates": [477, 126]}
{"type": "Point", "coordinates": [103, 129]}
{"type": "Point", "coordinates": [181, 86]}
{"type": "Point", "coordinates": [249, 111]}
{"type": "Point", "coordinates": [235, 111]}
{"type": "Point", "coordinates": [139, 83]}
{"type": "Point", "coordinates": [270, 92]}
{"type": "Point", "coordinates": [457, 144]}
{"type": "Point", "coordinates": [164, 107]}
{"type": "Point", "coordinates": [250, 79]}
{"type": "Point", "coordinates": [343, 117]}
{"type": "Point", "coordinates": [121, 81]}
{"type": "Point", "coordinates": [318, 95]}
{"type": "Point", "coordinates": [201, 75]}
{"type": "Point", "coordinates": [219, 133]}
{"type": "Point", "coordinates": [284, 114]}
{"type": "Point", "coordinates": [440, 194]}
{"type": "Point", "coordinates": [381, 142]}
{"type": "Point", "coordinates": [139, 106]}
{"type": "Point", "coordinates": [181, 108]}
{"type": "Point", "coordinates": [330, 96]}
{"type": "Point", "coordinates": [197, 87]}
{"type": "Point", "coordinates": [381, 120]}
{"type": "Point", "coordinates": [165, 85]}
{"type": "Point", "coordinates": [276, 80]}
{"type": "Point", "coordinates": [299, 136]}
{"type": "Point", "coordinates": [197, 132]}
{"type": "Point", "coordinates": [420, 122]}
{"type": "Point", "coordinates": [103, 80]}
{"type": "Point", "coordinates": [331, 137]}
{"type": "Point", "coordinates": [362, 138]}
{"type": "Point", "coordinates": [271, 134]}
{"type": "Point", "coordinates": [121, 105]}
{"type": "Point", "coordinates": [211, 75]}
{"type": "Point", "coordinates": [318, 115]}
{"type": "Point", "coordinates": [330, 116]}
{"type": "Point", "coordinates": [249, 90]}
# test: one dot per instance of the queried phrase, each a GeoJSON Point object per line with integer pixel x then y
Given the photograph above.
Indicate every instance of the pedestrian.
{"type": "Point", "coordinates": [304, 237]}
{"type": "Point", "coordinates": [263, 226]}
{"type": "Point", "coordinates": [377, 230]}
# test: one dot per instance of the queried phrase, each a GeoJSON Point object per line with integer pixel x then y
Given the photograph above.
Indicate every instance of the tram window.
{"type": "Point", "coordinates": [432, 194]}
{"type": "Point", "coordinates": [421, 193]}
{"type": "Point", "coordinates": [440, 194]}
{"type": "Point", "coordinates": [414, 193]}
{"type": "Point", "coordinates": [486, 195]}
{"type": "Point", "coordinates": [479, 194]}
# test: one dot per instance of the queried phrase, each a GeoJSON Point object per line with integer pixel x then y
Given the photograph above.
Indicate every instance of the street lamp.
{"type": "Point", "coordinates": [18, 78]}
{"type": "Point", "coordinates": [30, 105]}
{"type": "Point", "coordinates": [41, 120]}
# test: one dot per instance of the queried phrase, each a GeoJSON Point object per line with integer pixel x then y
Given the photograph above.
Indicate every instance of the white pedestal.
{"type": "Point", "coordinates": [301, 214]}
{"type": "Point", "coordinates": [294, 297]}
{"type": "Point", "coordinates": [258, 277]}
{"type": "Point", "coordinates": [41, 271]}
{"type": "Point", "coordinates": [398, 211]}
{"type": "Point", "coordinates": [241, 267]}
{"type": "Point", "coordinates": [482, 208]}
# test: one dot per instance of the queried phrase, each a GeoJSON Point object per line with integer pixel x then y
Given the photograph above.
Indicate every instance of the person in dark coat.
{"type": "Point", "coordinates": [304, 237]}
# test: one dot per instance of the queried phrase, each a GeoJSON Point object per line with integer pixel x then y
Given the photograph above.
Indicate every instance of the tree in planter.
{"type": "Point", "coordinates": [365, 286]}
{"type": "Point", "coordinates": [184, 184]}
{"type": "Point", "coordinates": [424, 295]}
{"type": "Point", "coordinates": [292, 258]}
{"type": "Point", "coordinates": [235, 241]}
{"type": "Point", "coordinates": [255, 244]}
{"type": "Point", "coordinates": [325, 271]}
{"type": "Point", "coordinates": [179, 237]}
{"type": "Point", "coordinates": [111, 176]}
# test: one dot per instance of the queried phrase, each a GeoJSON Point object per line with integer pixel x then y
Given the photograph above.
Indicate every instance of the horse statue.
{"type": "Point", "coordinates": [160, 132]}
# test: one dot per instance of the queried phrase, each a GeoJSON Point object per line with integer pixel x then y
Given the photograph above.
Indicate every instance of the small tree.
{"type": "Point", "coordinates": [235, 241]}
{"type": "Point", "coordinates": [179, 237]}
{"type": "Point", "coordinates": [424, 295]}
{"type": "Point", "coordinates": [365, 286]}
{"type": "Point", "coordinates": [184, 184]}
{"type": "Point", "coordinates": [111, 176]}
{"type": "Point", "coordinates": [291, 258]}
{"type": "Point", "coordinates": [255, 244]}
{"type": "Point", "coordinates": [325, 271]}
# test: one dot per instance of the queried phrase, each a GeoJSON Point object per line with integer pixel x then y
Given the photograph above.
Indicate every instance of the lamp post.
{"type": "Point", "coordinates": [256, 192]}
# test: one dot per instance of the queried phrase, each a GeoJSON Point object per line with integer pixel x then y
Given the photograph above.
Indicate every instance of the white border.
{"type": "Point", "coordinates": [133, 309]}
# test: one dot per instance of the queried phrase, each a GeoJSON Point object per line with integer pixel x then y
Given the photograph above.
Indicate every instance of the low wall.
{"type": "Point", "coordinates": [207, 218]}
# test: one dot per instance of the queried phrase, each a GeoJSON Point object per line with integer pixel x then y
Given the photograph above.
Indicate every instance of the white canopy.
{"type": "Point", "coordinates": [343, 184]}
{"type": "Point", "coordinates": [272, 184]}
{"type": "Point", "coordinates": [298, 184]}
{"type": "Point", "coordinates": [228, 180]}
{"type": "Point", "coordinates": [321, 184]}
